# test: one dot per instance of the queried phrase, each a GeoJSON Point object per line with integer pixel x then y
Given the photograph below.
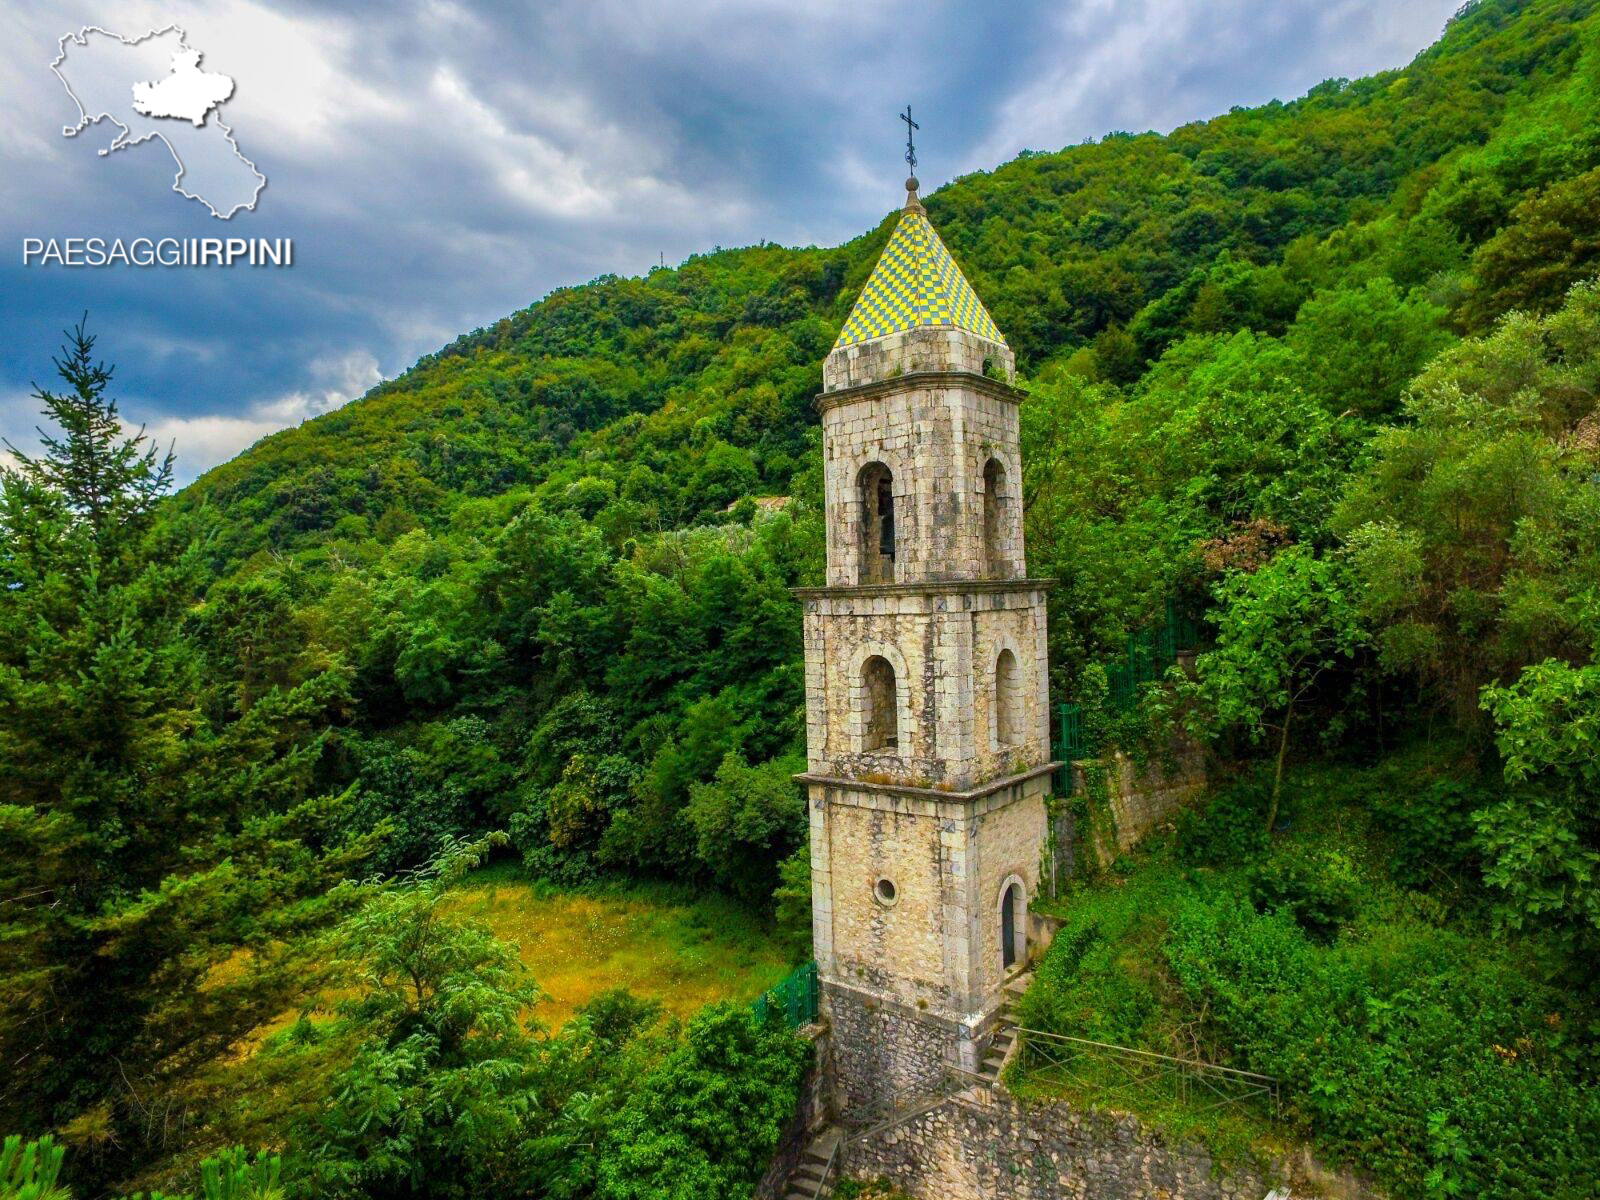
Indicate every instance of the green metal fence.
{"type": "Point", "coordinates": [794, 999]}
{"type": "Point", "coordinates": [1145, 659]}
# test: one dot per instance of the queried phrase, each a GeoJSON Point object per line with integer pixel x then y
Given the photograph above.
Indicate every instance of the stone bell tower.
{"type": "Point", "coordinates": [927, 722]}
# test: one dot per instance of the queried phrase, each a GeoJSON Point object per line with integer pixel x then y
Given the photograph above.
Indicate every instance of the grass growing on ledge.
{"type": "Point", "coordinates": [660, 942]}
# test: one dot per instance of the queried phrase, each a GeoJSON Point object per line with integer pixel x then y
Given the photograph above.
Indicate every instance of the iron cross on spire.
{"type": "Point", "coordinates": [911, 146]}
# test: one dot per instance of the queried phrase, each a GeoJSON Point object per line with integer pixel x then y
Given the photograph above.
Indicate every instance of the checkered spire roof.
{"type": "Point", "coordinates": [916, 283]}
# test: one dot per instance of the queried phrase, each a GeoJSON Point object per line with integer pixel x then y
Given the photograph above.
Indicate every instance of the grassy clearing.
{"type": "Point", "coordinates": [663, 943]}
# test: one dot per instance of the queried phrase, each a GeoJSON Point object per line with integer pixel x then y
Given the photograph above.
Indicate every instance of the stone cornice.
{"type": "Point", "coordinates": [927, 793]}
{"type": "Point", "coordinates": [983, 384]}
{"type": "Point", "coordinates": [946, 587]}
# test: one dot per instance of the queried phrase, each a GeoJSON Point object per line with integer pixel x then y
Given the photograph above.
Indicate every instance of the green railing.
{"type": "Point", "coordinates": [794, 999]}
{"type": "Point", "coordinates": [1069, 732]}
{"type": "Point", "coordinates": [1145, 659]}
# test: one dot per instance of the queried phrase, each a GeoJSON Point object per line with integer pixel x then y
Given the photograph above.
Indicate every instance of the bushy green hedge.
{"type": "Point", "coordinates": [1411, 1040]}
{"type": "Point", "coordinates": [1412, 1056]}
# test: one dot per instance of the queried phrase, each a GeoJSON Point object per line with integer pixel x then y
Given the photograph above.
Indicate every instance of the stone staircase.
{"type": "Point", "coordinates": [813, 1176]}
{"type": "Point", "coordinates": [1005, 1030]}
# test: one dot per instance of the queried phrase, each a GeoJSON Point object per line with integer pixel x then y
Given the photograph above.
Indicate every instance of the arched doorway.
{"type": "Point", "coordinates": [1013, 930]}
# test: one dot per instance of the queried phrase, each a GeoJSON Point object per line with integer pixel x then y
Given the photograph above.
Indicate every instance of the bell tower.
{"type": "Point", "coordinates": [927, 729]}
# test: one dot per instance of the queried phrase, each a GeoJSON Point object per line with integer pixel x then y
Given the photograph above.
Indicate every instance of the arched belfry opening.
{"type": "Point", "coordinates": [995, 563]}
{"type": "Point", "coordinates": [1007, 700]}
{"type": "Point", "coordinates": [1013, 925]}
{"type": "Point", "coordinates": [880, 719]}
{"type": "Point", "coordinates": [875, 485]}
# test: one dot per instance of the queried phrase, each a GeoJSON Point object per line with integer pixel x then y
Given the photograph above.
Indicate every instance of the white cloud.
{"type": "Point", "coordinates": [441, 163]}
{"type": "Point", "coordinates": [203, 441]}
{"type": "Point", "coordinates": [1155, 64]}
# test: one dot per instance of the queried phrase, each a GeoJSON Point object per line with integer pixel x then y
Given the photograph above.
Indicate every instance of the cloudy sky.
{"type": "Point", "coordinates": [441, 164]}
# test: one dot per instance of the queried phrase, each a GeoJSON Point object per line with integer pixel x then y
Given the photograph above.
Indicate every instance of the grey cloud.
{"type": "Point", "coordinates": [440, 164]}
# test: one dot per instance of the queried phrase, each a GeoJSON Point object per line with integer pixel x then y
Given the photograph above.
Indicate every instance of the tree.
{"type": "Point", "coordinates": [155, 832]}
{"type": "Point", "coordinates": [440, 1095]}
{"type": "Point", "coordinates": [1551, 242]}
{"type": "Point", "coordinates": [746, 821]}
{"type": "Point", "coordinates": [1542, 840]}
{"type": "Point", "coordinates": [1474, 529]}
{"type": "Point", "coordinates": [1336, 332]}
{"type": "Point", "coordinates": [1279, 631]}
{"type": "Point", "coordinates": [101, 477]}
{"type": "Point", "coordinates": [704, 1123]}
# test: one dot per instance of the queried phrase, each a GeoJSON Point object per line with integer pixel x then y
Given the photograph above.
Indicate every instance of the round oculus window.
{"type": "Point", "coordinates": [884, 892]}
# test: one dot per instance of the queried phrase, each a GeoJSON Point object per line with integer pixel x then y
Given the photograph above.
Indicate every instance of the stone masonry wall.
{"type": "Point", "coordinates": [882, 1049]}
{"type": "Point", "coordinates": [943, 644]}
{"type": "Point", "coordinates": [896, 948]}
{"type": "Point", "coordinates": [1008, 850]}
{"type": "Point", "coordinates": [1138, 798]}
{"type": "Point", "coordinates": [1023, 634]}
{"type": "Point", "coordinates": [984, 1145]}
{"type": "Point", "coordinates": [934, 435]}
{"type": "Point", "coordinates": [925, 348]}
{"type": "Point", "coordinates": [931, 943]}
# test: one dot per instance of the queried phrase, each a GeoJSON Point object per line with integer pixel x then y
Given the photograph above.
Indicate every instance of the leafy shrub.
{"type": "Point", "coordinates": [703, 1124]}
{"type": "Point", "coordinates": [1430, 829]}
{"type": "Point", "coordinates": [31, 1170]}
{"type": "Point", "coordinates": [28, 1170]}
{"type": "Point", "coordinates": [1417, 1058]}
{"type": "Point", "coordinates": [1231, 828]}
{"type": "Point", "coordinates": [1316, 887]}
{"type": "Point", "coordinates": [747, 820]}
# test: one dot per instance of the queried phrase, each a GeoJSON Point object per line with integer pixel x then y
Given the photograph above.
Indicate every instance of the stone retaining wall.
{"type": "Point", "coordinates": [984, 1145]}
{"type": "Point", "coordinates": [881, 1048]}
{"type": "Point", "coordinates": [1137, 799]}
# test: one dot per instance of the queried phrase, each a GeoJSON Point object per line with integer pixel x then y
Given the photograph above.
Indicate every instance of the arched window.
{"type": "Point", "coordinates": [1007, 701]}
{"type": "Point", "coordinates": [880, 717]}
{"type": "Point", "coordinates": [994, 519]}
{"type": "Point", "coordinates": [876, 485]}
{"type": "Point", "coordinates": [1013, 927]}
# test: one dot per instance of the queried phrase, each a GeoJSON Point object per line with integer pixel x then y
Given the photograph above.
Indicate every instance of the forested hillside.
{"type": "Point", "coordinates": [1323, 373]}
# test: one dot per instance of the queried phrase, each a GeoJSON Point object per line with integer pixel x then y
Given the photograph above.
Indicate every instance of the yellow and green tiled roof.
{"type": "Point", "coordinates": [916, 283]}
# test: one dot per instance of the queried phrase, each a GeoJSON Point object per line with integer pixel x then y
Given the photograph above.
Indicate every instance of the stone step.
{"type": "Point", "coordinates": [806, 1180]}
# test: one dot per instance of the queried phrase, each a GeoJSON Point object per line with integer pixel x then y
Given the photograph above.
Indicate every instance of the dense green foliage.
{"type": "Point", "coordinates": [1413, 1040]}
{"type": "Point", "coordinates": [540, 583]}
{"type": "Point", "coordinates": [538, 554]}
{"type": "Point", "coordinates": [160, 818]}
{"type": "Point", "coordinates": [445, 1086]}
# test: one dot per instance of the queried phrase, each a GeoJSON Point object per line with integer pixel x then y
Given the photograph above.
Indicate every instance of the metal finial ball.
{"type": "Point", "coordinates": [912, 184]}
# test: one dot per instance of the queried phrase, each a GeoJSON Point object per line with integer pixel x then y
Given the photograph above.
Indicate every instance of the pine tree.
{"type": "Point", "coordinates": [103, 477]}
{"type": "Point", "coordinates": [163, 842]}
